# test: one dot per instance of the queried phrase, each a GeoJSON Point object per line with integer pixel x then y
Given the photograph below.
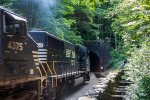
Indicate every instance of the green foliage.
{"type": "Point", "coordinates": [5, 2]}
{"type": "Point", "coordinates": [138, 70]}
{"type": "Point", "coordinates": [84, 23]}
{"type": "Point", "coordinates": [131, 24]}
{"type": "Point", "coordinates": [117, 59]}
{"type": "Point", "coordinates": [91, 4]}
{"type": "Point", "coordinates": [144, 88]}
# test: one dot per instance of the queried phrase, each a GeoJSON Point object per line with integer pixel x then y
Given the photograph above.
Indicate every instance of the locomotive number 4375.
{"type": "Point", "coordinates": [15, 45]}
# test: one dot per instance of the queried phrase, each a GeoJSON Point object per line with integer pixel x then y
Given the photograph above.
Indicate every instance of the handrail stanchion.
{"type": "Point", "coordinates": [41, 78]}
{"type": "Point", "coordinates": [44, 72]}
{"type": "Point", "coordinates": [55, 70]}
{"type": "Point", "coordinates": [49, 68]}
{"type": "Point", "coordinates": [71, 70]}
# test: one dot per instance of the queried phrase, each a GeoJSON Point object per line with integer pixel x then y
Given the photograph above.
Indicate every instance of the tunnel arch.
{"type": "Point", "coordinates": [94, 62]}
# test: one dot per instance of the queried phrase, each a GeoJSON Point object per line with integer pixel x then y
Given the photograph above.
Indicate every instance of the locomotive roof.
{"type": "Point", "coordinates": [49, 34]}
{"type": "Point", "coordinates": [12, 14]}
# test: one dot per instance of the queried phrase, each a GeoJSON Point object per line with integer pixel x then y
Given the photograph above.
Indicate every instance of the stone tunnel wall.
{"type": "Point", "coordinates": [102, 50]}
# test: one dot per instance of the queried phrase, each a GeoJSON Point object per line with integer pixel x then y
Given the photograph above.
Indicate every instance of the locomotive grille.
{"type": "Point", "coordinates": [36, 58]}
{"type": "Point", "coordinates": [15, 67]}
{"type": "Point", "coordinates": [42, 53]}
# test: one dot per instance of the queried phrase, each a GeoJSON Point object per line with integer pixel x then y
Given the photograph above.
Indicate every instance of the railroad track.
{"type": "Point", "coordinates": [118, 89]}
{"type": "Point", "coordinates": [111, 87]}
{"type": "Point", "coordinates": [119, 92]}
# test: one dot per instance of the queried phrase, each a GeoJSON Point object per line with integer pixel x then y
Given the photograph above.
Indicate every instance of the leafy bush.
{"type": "Point", "coordinates": [138, 71]}
{"type": "Point", "coordinates": [117, 59]}
{"type": "Point", "coordinates": [132, 24]}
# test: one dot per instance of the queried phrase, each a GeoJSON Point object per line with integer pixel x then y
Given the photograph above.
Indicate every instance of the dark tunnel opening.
{"type": "Point", "coordinates": [94, 62]}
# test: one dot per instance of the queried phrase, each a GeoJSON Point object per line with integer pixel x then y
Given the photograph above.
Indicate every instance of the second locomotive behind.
{"type": "Point", "coordinates": [60, 61]}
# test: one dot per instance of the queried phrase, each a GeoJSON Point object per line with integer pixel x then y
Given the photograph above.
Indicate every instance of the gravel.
{"type": "Point", "coordinates": [81, 89]}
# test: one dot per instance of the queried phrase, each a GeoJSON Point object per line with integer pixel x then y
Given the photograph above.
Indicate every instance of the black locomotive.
{"type": "Point", "coordinates": [60, 60]}
{"type": "Point", "coordinates": [36, 65]}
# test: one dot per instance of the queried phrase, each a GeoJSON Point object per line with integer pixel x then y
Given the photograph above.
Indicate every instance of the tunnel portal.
{"type": "Point", "coordinates": [94, 62]}
{"type": "Point", "coordinates": [99, 54]}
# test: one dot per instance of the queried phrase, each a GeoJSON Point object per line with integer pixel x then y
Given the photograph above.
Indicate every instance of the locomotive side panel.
{"type": "Point", "coordinates": [70, 56]}
{"type": "Point", "coordinates": [63, 56]}
{"type": "Point", "coordinates": [56, 54]}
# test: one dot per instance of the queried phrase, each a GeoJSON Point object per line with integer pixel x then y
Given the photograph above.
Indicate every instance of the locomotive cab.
{"type": "Point", "coordinates": [16, 58]}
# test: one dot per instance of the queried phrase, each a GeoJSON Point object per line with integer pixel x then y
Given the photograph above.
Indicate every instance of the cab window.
{"type": "Point", "coordinates": [12, 26]}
